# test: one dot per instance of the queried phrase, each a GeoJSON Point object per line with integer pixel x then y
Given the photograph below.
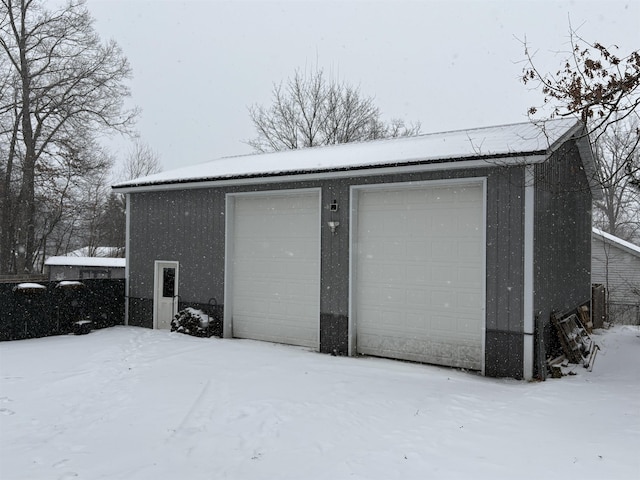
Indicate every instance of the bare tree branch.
{"type": "Point", "coordinates": [600, 87]}
{"type": "Point", "coordinates": [309, 110]}
{"type": "Point", "coordinates": [141, 161]}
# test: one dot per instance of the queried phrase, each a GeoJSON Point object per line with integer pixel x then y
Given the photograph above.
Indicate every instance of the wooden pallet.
{"type": "Point", "coordinates": [577, 344]}
{"type": "Point", "coordinates": [585, 318]}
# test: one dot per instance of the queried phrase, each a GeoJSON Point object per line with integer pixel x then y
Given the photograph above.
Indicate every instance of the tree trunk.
{"type": "Point", "coordinates": [7, 212]}
{"type": "Point", "coordinates": [6, 221]}
{"type": "Point", "coordinates": [26, 200]}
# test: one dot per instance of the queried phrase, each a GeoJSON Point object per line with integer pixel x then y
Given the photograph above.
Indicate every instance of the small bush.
{"type": "Point", "coordinates": [192, 322]}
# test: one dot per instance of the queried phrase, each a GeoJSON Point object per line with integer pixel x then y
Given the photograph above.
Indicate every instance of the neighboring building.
{"type": "Point", "coordinates": [114, 252]}
{"type": "Point", "coordinates": [450, 248]}
{"type": "Point", "coordinates": [615, 263]}
{"type": "Point", "coordinates": [82, 268]}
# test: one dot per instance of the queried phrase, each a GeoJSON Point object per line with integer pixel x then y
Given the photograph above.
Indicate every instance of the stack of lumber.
{"type": "Point", "coordinates": [577, 344]}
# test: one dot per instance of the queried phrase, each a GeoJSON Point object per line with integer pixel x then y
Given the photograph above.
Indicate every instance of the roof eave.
{"type": "Point", "coordinates": [405, 166]}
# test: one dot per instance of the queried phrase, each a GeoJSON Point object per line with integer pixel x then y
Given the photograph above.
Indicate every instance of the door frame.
{"type": "Point", "coordinates": [157, 282]}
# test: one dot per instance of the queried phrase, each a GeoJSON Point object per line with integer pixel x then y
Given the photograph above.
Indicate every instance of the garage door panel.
{"type": "Point", "coordinates": [415, 250]}
{"type": "Point", "coordinates": [393, 295]}
{"type": "Point", "coordinates": [276, 268]}
{"type": "Point", "coordinates": [441, 353]}
{"type": "Point", "coordinates": [469, 251]}
{"type": "Point", "coordinates": [296, 267]}
{"type": "Point", "coordinates": [470, 224]}
{"type": "Point", "coordinates": [419, 229]}
{"type": "Point", "coordinates": [442, 248]}
{"type": "Point", "coordinates": [278, 330]}
{"type": "Point", "coordinates": [470, 277]}
{"type": "Point", "coordinates": [418, 296]}
{"type": "Point", "coordinates": [469, 300]}
{"type": "Point", "coordinates": [441, 195]}
{"type": "Point", "coordinates": [416, 274]}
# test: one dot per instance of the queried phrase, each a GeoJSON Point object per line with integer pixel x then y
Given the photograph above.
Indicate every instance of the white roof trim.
{"type": "Point", "coordinates": [612, 239]}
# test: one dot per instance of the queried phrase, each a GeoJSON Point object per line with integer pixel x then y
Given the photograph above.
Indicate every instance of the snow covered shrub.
{"type": "Point", "coordinates": [191, 322]}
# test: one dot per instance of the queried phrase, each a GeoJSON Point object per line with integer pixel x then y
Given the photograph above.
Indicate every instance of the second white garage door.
{"type": "Point", "coordinates": [419, 286]}
{"type": "Point", "coordinates": [275, 268]}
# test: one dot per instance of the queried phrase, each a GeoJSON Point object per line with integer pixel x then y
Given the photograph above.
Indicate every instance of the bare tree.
{"type": "Point", "coordinates": [618, 211]}
{"type": "Point", "coordinates": [310, 110]}
{"type": "Point", "coordinates": [141, 161]}
{"type": "Point", "coordinates": [64, 84]}
{"type": "Point", "coordinates": [95, 195]}
{"type": "Point", "coordinates": [601, 87]}
{"type": "Point", "coordinates": [70, 192]}
{"type": "Point", "coordinates": [110, 222]}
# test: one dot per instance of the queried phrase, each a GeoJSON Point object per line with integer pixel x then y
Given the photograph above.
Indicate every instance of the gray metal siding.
{"type": "Point", "coordinates": [181, 226]}
{"type": "Point", "coordinates": [505, 272]}
{"type": "Point", "coordinates": [562, 245]}
{"type": "Point", "coordinates": [505, 233]}
{"type": "Point", "coordinates": [334, 269]}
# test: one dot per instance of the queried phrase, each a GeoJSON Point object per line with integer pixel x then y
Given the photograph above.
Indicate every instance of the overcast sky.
{"type": "Point", "coordinates": [199, 65]}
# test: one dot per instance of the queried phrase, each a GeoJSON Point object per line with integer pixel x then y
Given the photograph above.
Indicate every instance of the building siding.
{"type": "Point", "coordinates": [75, 272]}
{"type": "Point", "coordinates": [619, 271]}
{"type": "Point", "coordinates": [180, 226]}
{"type": "Point", "coordinates": [334, 269]}
{"type": "Point", "coordinates": [562, 247]}
{"type": "Point", "coordinates": [505, 272]}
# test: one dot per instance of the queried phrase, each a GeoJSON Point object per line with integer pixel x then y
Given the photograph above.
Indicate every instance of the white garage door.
{"type": "Point", "coordinates": [276, 268]}
{"type": "Point", "coordinates": [419, 289]}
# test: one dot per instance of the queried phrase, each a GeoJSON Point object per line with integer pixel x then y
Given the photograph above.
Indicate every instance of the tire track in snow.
{"type": "Point", "coordinates": [192, 421]}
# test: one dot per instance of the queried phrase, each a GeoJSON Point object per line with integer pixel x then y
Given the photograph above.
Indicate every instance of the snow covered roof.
{"type": "Point", "coordinates": [29, 286]}
{"type": "Point", "coordinates": [95, 252]}
{"type": "Point", "coordinates": [522, 141]}
{"type": "Point", "coordinates": [612, 239]}
{"type": "Point", "coordinates": [86, 261]}
{"type": "Point", "coordinates": [69, 283]}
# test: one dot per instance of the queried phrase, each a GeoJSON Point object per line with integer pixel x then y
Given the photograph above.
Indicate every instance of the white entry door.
{"type": "Point", "coordinates": [420, 273]}
{"type": "Point", "coordinates": [165, 298]}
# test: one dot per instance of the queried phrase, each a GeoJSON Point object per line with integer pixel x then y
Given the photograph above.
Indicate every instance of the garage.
{"type": "Point", "coordinates": [273, 271]}
{"type": "Point", "coordinates": [419, 248]}
{"type": "Point", "coordinates": [419, 280]}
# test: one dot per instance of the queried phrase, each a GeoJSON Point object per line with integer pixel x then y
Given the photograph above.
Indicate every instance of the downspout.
{"type": "Point", "coordinates": [127, 254]}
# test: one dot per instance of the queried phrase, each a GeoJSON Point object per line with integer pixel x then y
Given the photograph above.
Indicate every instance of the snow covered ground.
{"type": "Point", "coordinates": [131, 403]}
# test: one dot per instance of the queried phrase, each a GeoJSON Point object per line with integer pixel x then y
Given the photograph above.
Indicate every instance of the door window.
{"type": "Point", "coordinates": [168, 282]}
